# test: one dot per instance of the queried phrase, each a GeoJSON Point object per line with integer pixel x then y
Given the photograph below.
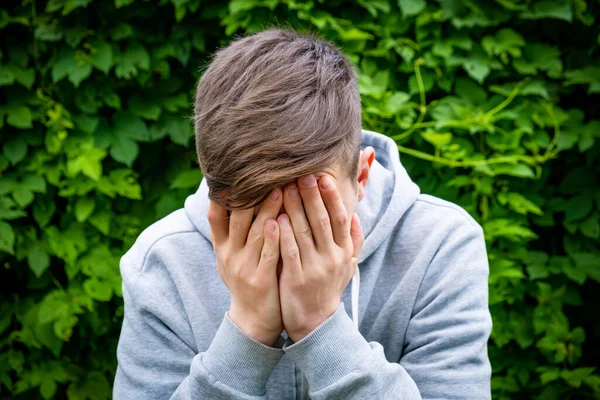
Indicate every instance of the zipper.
{"type": "Point", "coordinates": [305, 388]}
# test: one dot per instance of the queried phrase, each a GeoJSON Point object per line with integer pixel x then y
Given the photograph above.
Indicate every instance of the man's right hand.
{"type": "Point", "coordinates": [247, 254]}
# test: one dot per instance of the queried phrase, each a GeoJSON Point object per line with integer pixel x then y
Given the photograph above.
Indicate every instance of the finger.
{"type": "Point", "coordinates": [270, 250]}
{"type": "Point", "coordinates": [219, 224]}
{"type": "Point", "coordinates": [358, 237]}
{"type": "Point", "coordinates": [290, 254]}
{"type": "Point", "coordinates": [239, 224]}
{"type": "Point", "coordinates": [316, 212]}
{"type": "Point", "coordinates": [269, 209]}
{"type": "Point", "coordinates": [338, 215]}
{"type": "Point", "coordinates": [295, 211]}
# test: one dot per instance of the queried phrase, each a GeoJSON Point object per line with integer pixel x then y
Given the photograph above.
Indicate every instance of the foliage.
{"type": "Point", "coordinates": [492, 104]}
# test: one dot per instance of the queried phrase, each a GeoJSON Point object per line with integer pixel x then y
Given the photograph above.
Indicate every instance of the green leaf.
{"type": "Point", "coordinates": [591, 227]}
{"type": "Point", "coordinates": [99, 290]}
{"type": "Point", "coordinates": [89, 163]}
{"type": "Point", "coordinates": [23, 196]}
{"type": "Point", "coordinates": [129, 126]}
{"type": "Point", "coordinates": [506, 42]}
{"type": "Point", "coordinates": [518, 170]}
{"type": "Point", "coordinates": [144, 108]}
{"type": "Point", "coordinates": [187, 179]}
{"type": "Point", "coordinates": [411, 7]}
{"type": "Point", "coordinates": [557, 9]}
{"type": "Point", "coordinates": [84, 207]}
{"type": "Point", "coordinates": [124, 150]}
{"type": "Point", "coordinates": [102, 56]}
{"type": "Point", "coordinates": [43, 210]}
{"type": "Point", "coordinates": [19, 117]}
{"type": "Point", "coordinates": [15, 150]}
{"type": "Point", "coordinates": [33, 182]}
{"type": "Point", "coordinates": [38, 259]}
{"type": "Point", "coordinates": [101, 221]}
{"type": "Point", "coordinates": [579, 206]}
{"type": "Point", "coordinates": [7, 238]}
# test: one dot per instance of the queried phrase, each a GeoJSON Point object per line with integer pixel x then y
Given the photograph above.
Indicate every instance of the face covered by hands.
{"type": "Point", "coordinates": [287, 269]}
{"type": "Point", "coordinates": [319, 246]}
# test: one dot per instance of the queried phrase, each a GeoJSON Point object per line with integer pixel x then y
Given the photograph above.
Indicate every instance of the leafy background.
{"type": "Point", "coordinates": [493, 105]}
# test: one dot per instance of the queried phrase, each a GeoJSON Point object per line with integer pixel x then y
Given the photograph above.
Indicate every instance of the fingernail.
{"type": "Point", "coordinates": [283, 220]}
{"type": "Point", "coordinates": [292, 191]}
{"type": "Point", "coordinates": [274, 195]}
{"type": "Point", "coordinates": [270, 227]}
{"type": "Point", "coordinates": [309, 180]}
{"type": "Point", "coordinates": [326, 183]}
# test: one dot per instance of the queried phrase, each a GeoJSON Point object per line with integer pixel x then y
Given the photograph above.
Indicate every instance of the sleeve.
{"type": "Point", "coordinates": [445, 354]}
{"type": "Point", "coordinates": [155, 361]}
{"type": "Point", "coordinates": [446, 340]}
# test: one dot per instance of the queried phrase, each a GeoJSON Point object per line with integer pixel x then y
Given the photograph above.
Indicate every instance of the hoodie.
{"type": "Point", "coordinates": [419, 305]}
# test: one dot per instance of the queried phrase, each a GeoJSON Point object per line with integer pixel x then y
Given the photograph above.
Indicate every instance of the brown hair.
{"type": "Point", "coordinates": [272, 107]}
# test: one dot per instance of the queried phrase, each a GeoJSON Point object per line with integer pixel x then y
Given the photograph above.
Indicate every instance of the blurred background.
{"type": "Point", "coordinates": [493, 104]}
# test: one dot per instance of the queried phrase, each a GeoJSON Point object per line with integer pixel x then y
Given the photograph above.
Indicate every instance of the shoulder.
{"type": "Point", "coordinates": [432, 213]}
{"type": "Point", "coordinates": [167, 236]}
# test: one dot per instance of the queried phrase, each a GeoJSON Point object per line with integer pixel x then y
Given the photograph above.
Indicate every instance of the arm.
{"type": "Point", "coordinates": [446, 351]}
{"type": "Point", "coordinates": [157, 359]}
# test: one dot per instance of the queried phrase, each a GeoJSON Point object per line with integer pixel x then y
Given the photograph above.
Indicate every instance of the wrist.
{"type": "Point", "coordinates": [266, 336]}
{"type": "Point", "coordinates": [311, 323]}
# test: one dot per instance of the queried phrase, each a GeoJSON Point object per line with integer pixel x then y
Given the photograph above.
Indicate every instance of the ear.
{"type": "Point", "coordinates": [364, 166]}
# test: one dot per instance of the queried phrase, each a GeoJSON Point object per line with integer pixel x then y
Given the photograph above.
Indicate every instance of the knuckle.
{"type": "Point", "coordinates": [293, 254]}
{"type": "Point", "coordinates": [342, 219]}
{"type": "Point", "coordinates": [212, 217]}
{"type": "Point", "coordinates": [306, 233]}
{"type": "Point", "coordinates": [324, 222]}
{"type": "Point", "coordinates": [235, 224]}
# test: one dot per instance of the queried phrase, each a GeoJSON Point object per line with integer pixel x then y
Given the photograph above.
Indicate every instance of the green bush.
{"type": "Point", "coordinates": [493, 105]}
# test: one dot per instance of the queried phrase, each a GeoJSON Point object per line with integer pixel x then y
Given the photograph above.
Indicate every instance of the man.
{"type": "Point", "coordinates": [244, 293]}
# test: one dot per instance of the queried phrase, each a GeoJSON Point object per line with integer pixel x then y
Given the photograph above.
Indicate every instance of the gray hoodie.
{"type": "Point", "coordinates": [420, 302]}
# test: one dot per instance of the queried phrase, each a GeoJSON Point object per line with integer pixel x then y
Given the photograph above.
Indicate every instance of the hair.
{"type": "Point", "coordinates": [272, 107]}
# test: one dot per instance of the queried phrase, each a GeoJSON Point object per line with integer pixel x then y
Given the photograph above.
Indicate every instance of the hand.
{"type": "Point", "coordinates": [320, 255]}
{"type": "Point", "coordinates": [247, 254]}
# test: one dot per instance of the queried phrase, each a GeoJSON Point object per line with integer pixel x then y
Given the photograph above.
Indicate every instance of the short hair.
{"type": "Point", "coordinates": [272, 107]}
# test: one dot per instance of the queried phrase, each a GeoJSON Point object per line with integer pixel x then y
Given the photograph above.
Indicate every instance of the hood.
{"type": "Point", "coordinates": [390, 192]}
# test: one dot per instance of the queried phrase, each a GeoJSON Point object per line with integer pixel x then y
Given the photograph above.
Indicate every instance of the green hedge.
{"type": "Point", "coordinates": [493, 104]}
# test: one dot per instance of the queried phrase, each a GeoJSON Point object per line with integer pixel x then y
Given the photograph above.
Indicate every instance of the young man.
{"type": "Point", "coordinates": [244, 293]}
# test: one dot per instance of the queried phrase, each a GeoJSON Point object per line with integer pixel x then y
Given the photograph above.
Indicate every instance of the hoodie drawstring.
{"type": "Point", "coordinates": [355, 291]}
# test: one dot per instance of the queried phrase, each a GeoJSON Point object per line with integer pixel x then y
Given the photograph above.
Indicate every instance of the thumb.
{"type": "Point", "coordinates": [269, 255]}
{"type": "Point", "coordinates": [357, 235]}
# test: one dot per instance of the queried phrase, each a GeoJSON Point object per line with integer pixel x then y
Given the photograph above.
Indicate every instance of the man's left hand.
{"type": "Point", "coordinates": [319, 247]}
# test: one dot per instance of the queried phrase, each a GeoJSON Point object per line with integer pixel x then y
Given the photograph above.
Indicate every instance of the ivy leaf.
{"type": "Point", "coordinates": [124, 150]}
{"type": "Point", "coordinates": [38, 259]}
{"type": "Point", "coordinates": [505, 42]}
{"type": "Point", "coordinates": [19, 116]}
{"type": "Point", "coordinates": [97, 289]}
{"type": "Point", "coordinates": [187, 179]}
{"type": "Point", "coordinates": [101, 221]}
{"type": "Point", "coordinates": [102, 56]}
{"type": "Point", "coordinates": [15, 150]}
{"type": "Point", "coordinates": [33, 182]}
{"type": "Point", "coordinates": [591, 227]}
{"type": "Point", "coordinates": [144, 108]}
{"type": "Point", "coordinates": [411, 7]}
{"type": "Point", "coordinates": [550, 9]}
{"type": "Point", "coordinates": [579, 206]}
{"type": "Point", "coordinates": [84, 207]}
{"type": "Point", "coordinates": [79, 74]}
{"type": "Point", "coordinates": [7, 238]}
{"type": "Point", "coordinates": [23, 196]}
{"type": "Point", "coordinates": [130, 126]}
{"type": "Point", "coordinates": [89, 163]}
{"type": "Point", "coordinates": [43, 210]}
{"type": "Point", "coordinates": [588, 75]}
